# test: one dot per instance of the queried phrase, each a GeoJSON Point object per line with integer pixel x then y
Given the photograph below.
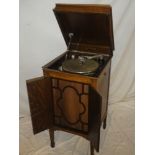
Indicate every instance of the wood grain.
{"type": "Point", "coordinates": [69, 102]}
{"type": "Point", "coordinates": [39, 94]}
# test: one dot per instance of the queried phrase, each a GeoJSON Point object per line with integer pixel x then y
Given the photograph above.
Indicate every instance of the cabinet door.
{"type": "Point", "coordinates": [95, 101]}
{"type": "Point", "coordinates": [39, 94]}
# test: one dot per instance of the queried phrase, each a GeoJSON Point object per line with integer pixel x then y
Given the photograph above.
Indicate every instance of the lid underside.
{"type": "Point", "coordinates": [91, 27]}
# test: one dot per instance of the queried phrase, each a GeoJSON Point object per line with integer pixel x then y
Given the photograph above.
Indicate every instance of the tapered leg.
{"type": "Point", "coordinates": [105, 123]}
{"type": "Point", "coordinates": [51, 132]}
{"type": "Point", "coordinates": [91, 148]}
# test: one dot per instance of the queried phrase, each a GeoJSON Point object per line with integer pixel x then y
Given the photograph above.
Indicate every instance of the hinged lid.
{"type": "Point", "coordinates": [91, 26]}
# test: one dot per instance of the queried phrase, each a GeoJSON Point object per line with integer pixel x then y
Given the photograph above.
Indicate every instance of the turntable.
{"type": "Point", "coordinates": [72, 95]}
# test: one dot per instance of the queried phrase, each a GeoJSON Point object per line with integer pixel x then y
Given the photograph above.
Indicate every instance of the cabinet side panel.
{"type": "Point", "coordinates": [103, 89]}
{"type": "Point", "coordinates": [95, 101]}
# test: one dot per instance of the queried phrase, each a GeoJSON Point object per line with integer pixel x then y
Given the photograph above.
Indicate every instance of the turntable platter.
{"type": "Point", "coordinates": [76, 66]}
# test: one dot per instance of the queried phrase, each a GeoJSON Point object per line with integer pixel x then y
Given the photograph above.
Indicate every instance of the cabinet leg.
{"type": "Point", "coordinates": [105, 123]}
{"type": "Point", "coordinates": [91, 148]}
{"type": "Point", "coordinates": [51, 132]}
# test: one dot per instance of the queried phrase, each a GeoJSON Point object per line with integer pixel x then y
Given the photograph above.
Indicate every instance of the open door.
{"type": "Point", "coordinates": [39, 94]}
{"type": "Point", "coordinates": [95, 101]}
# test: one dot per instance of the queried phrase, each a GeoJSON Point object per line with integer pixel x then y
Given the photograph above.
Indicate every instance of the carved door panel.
{"type": "Point", "coordinates": [95, 101]}
{"type": "Point", "coordinates": [39, 94]}
{"type": "Point", "coordinates": [70, 101]}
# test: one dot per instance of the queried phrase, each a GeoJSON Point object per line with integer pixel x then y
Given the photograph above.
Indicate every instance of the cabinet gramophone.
{"type": "Point", "coordinates": [72, 95]}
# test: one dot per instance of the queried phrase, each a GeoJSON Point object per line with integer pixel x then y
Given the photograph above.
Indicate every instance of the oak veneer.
{"type": "Point", "coordinates": [75, 103]}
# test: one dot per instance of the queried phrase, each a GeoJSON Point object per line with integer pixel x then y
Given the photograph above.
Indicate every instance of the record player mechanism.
{"type": "Point", "coordinates": [84, 63]}
{"type": "Point", "coordinates": [81, 64]}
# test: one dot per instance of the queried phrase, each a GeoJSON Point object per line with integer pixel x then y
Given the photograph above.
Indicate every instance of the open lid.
{"type": "Point", "coordinates": [91, 26]}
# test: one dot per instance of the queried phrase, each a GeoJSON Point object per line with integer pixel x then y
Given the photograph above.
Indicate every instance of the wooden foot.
{"type": "Point", "coordinates": [91, 149]}
{"type": "Point", "coordinates": [51, 132]}
{"type": "Point", "coordinates": [105, 123]}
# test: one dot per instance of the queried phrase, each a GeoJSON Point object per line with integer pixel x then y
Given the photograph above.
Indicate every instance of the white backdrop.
{"type": "Point", "coordinates": [41, 41]}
